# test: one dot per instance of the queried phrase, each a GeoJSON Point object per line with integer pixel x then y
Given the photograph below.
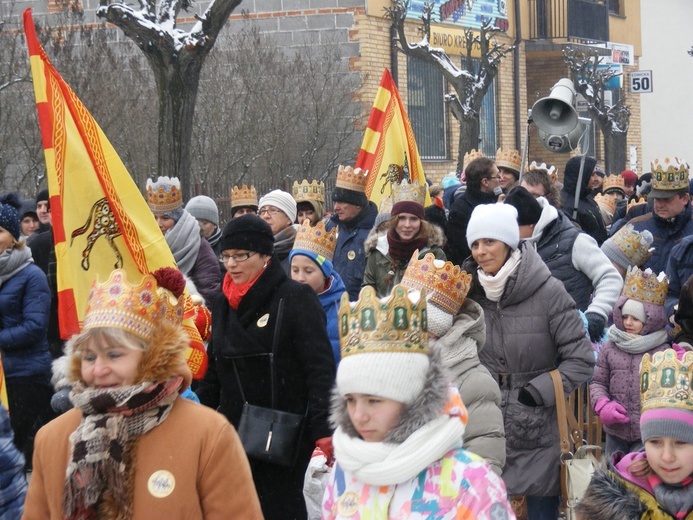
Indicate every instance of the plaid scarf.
{"type": "Point", "coordinates": [103, 445]}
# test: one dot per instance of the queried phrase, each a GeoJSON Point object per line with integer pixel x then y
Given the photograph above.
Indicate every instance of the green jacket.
{"type": "Point", "coordinates": [379, 271]}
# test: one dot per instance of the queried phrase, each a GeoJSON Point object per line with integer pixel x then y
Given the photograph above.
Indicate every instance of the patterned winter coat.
{"type": "Point", "coordinates": [460, 485]}
{"type": "Point", "coordinates": [533, 329]}
{"type": "Point", "coordinates": [617, 375]}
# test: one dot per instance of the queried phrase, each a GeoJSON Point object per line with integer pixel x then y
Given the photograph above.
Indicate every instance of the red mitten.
{"type": "Point", "coordinates": [325, 444]}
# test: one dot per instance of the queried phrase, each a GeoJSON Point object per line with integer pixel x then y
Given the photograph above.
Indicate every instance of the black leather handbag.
{"type": "Point", "coordinates": [269, 434]}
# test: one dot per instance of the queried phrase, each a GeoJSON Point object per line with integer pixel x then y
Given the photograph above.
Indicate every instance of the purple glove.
{"type": "Point", "coordinates": [611, 412]}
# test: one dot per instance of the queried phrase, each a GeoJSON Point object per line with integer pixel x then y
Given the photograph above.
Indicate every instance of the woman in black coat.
{"type": "Point", "coordinates": [245, 319]}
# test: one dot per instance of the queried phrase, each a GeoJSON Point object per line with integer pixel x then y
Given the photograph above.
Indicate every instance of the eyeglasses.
{"type": "Point", "coordinates": [240, 257]}
{"type": "Point", "coordinates": [271, 211]}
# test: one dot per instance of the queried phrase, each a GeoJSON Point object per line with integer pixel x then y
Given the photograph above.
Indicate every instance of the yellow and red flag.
{"type": "Point", "coordinates": [389, 139]}
{"type": "Point", "coordinates": [100, 218]}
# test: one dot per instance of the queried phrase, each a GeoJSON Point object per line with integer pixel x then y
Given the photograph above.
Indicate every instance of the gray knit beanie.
{"type": "Point", "coordinates": [203, 207]}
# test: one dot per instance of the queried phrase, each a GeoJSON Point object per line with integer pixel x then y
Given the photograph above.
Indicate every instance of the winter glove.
{"type": "Point", "coordinates": [610, 412]}
{"type": "Point", "coordinates": [60, 402]}
{"type": "Point", "coordinates": [325, 444]}
{"type": "Point", "coordinates": [595, 326]}
{"type": "Point", "coordinates": [526, 398]}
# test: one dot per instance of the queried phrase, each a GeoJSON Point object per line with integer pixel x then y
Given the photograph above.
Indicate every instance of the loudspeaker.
{"type": "Point", "coordinates": [562, 143]}
{"type": "Point", "coordinates": [555, 114]}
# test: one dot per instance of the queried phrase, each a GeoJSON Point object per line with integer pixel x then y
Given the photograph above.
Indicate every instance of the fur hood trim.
{"type": "Point", "coordinates": [609, 497]}
{"type": "Point", "coordinates": [163, 358]}
{"type": "Point", "coordinates": [435, 239]}
{"type": "Point", "coordinates": [426, 407]}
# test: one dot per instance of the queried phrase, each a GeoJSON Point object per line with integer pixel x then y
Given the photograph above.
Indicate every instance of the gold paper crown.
{"type": "Point", "coordinates": [632, 244]}
{"type": "Point", "coordinates": [551, 170]}
{"type": "Point", "coordinates": [470, 156]}
{"type": "Point", "coordinates": [164, 195]}
{"type": "Point", "coordinates": [243, 196]}
{"type": "Point", "coordinates": [306, 192]}
{"type": "Point", "coordinates": [636, 202]}
{"type": "Point", "coordinates": [508, 158]}
{"type": "Point", "coordinates": [134, 308]}
{"type": "Point", "coordinates": [445, 284]}
{"type": "Point", "coordinates": [385, 205]}
{"type": "Point", "coordinates": [613, 182]}
{"type": "Point", "coordinates": [316, 239]}
{"type": "Point", "coordinates": [352, 179]}
{"type": "Point", "coordinates": [665, 382]}
{"type": "Point", "coordinates": [645, 287]}
{"type": "Point", "coordinates": [405, 191]}
{"type": "Point", "coordinates": [669, 175]}
{"type": "Point", "coordinates": [605, 202]}
{"type": "Point", "coordinates": [393, 324]}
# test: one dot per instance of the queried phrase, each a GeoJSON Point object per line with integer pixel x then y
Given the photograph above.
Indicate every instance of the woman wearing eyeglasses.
{"type": "Point", "coordinates": [248, 320]}
{"type": "Point", "coordinates": [278, 209]}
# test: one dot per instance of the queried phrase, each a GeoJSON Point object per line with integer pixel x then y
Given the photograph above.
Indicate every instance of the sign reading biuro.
{"type": "Point", "coordinates": [463, 13]}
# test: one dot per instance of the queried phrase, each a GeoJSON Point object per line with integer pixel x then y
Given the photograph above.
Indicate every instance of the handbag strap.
{"type": "Point", "coordinates": [275, 344]}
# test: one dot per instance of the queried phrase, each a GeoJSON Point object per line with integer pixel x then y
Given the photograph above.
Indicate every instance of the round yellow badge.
{"type": "Point", "coordinates": [351, 255]}
{"type": "Point", "coordinates": [161, 484]}
{"type": "Point", "coordinates": [348, 504]}
{"type": "Point", "coordinates": [263, 320]}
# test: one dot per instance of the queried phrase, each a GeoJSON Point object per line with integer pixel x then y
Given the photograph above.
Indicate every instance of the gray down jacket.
{"type": "Point", "coordinates": [459, 347]}
{"type": "Point", "coordinates": [533, 329]}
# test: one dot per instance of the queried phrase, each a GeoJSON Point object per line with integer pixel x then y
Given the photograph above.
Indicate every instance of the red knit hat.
{"type": "Point", "coordinates": [629, 177]}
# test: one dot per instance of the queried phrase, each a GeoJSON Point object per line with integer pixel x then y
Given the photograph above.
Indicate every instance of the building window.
{"type": "Point", "coordinates": [614, 6]}
{"type": "Point", "coordinates": [487, 122]}
{"type": "Point", "coordinates": [426, 107]}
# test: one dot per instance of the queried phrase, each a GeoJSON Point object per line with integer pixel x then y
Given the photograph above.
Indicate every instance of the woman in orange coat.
{"type": "Point", "coordinates": [132, 447]}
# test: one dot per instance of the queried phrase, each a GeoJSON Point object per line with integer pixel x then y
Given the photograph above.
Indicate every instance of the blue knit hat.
{"type": "Point", "coordinates": [323, 263]}
{"type": "Point", "coordinates": [9, 213]}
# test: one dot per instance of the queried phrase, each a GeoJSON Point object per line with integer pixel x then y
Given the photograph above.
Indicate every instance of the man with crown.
{"type": "Point", "coordinates": [508, 162]}
{"type": "Point", "coordinates": [389, 251]}
{"type": "Point", "coordinates": [483, 187]}
{"type": "Point", "coordinates": [671, 219]}
{"type": "Point", "coordinates": [354, 216]}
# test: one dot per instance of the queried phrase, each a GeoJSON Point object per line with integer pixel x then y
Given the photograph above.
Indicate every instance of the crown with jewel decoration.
{"type": "Point", "coordinates": [508, 158]}
{"type": "Point", "coordinates": [669, 175]}
{"type": "Point", "coordinates": [645, 287]}
{"type": "Point", "coordinates": [613, 182]}
{"type": "Point", "coordinates": [445, 284]}
{"type": "Point", "coordinates": [470, 156]}
{"type": "Point", "coordinates": [164, 195]}
{"type": "Point", "coordinates": [316, 239]}
{"type": "Point", "coordinates": [636, 202]}
{"type": "Point", "coordinates": [394, 324]}
{"type": "Point", "coordinates": [606, 203]}
{"type": "Point", "coordinates": [385, 205]}
{"type": "Point", "coordinates": [406, 191]}
{"type": "Point", "coordinates": [665, 381]}
{"type": "Point", "coordinates": [634, 244]}
{"type": "Point", "coordinates": [354, 179]}
{"type": "Point", "coordinates": [306, 192]}
{"type": "Point", "coordinates": [243, 196]}
{"type": "Point", "coordinates": [137, 308]}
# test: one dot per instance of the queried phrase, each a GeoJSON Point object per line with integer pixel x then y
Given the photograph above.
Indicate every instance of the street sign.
{"type": "Point", "coordinates": [641, 81]}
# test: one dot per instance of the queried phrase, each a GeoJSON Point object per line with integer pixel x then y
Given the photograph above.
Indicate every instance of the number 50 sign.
{"type": "Point", "coordinates": [641, 81]}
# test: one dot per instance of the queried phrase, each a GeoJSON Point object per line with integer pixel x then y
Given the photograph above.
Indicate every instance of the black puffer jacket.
{"type": "Point", "coordinates": [533, 329]}
{"type": "Point", "coordinates": [304, 374]}
{"type": "Point", "coordinates": [589, 217]}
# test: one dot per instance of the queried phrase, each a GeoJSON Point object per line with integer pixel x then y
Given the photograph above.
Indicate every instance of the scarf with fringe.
{"type": "Point", "coordinates": [103, 445]}
{"type": "Point", "coordinates": [183, 240]}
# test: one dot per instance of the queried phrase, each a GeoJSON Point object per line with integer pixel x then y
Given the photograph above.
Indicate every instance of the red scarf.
{"type": "Point", "coordinates": [235, 292]}
{"type": "Point", "coordinates": [399, 250]}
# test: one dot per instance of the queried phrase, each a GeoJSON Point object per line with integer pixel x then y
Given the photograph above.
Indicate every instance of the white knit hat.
{"type": "Point", "coordinates": [202, 207]}
{"type": "Point", "coordinates": [496, 221]}
{"type": "Point", "coordinates": [634, 308]}
{"type": "Point", "coordinates": [281, 200]}
{"type": "Point", "coordinates": [384, 345]}
{"type": "Point", "coordinates": [439, 320]}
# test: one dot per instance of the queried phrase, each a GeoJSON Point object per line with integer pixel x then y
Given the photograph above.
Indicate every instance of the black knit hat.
{"type": "Point", "coordinates": [42, 195]}
{"type": "Point", "coordinates": [349, 196]}
{"type": "Point", "coordinates": [248, 232]}
{"type": "Point", "coordinates": [528, 209]}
